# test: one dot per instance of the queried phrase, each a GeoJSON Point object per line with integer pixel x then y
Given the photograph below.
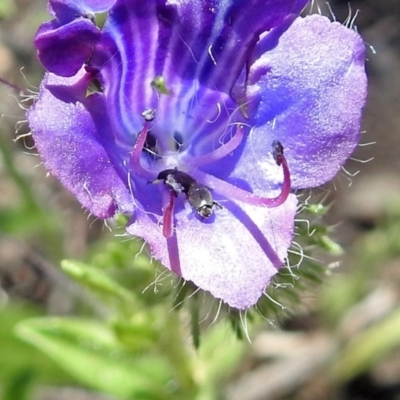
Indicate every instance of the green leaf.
{"type": "Point", "coordinates": [138, 334]}
{"type": "Point", "coordinates": [96, 279]}
{"type": "Point", "coordinates": [333, 248]}
{"type": "Point", "coordinates": [17, 358]}
{"type": "Point", "coordinates": [90, 353]}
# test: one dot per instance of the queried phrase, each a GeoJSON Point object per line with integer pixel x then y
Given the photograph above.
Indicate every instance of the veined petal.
{"type": "Point", "coordinates": [309, 90]}
{"type": "Point", "coordinates": [206, 41]}
{"type": "Point", "coordinates": [74, 152]}
{"type": "Point", "coordinates": [195, 48]}
{"type": "Point", "coordinates": [233, 257]}
{"type": "Point", "coordinates": [220, 35]}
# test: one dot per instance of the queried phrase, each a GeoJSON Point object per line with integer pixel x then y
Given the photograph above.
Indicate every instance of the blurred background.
{"type": "Point", "coordinates": [73, 330]}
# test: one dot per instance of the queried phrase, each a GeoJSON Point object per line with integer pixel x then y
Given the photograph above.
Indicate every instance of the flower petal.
{"type": "Point", "coordinates": [67, 10]}
{"type": "Point", "coordinates": [66, 43]}
{"type": "Point", "coordinates": [310, 88]}
{"type": "Point", "coordinates": [63, 49]}
{"type": "Point", "coordinates": [219, 36]}
{"type": "Point", "coordinates": [234, 256]}
{"type": "Point", "coordinates": [73, 151]}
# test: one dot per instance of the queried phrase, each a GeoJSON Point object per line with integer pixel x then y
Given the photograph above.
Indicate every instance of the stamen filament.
{"type": "Point", "coordinates": [134, 160]}
{"type": "Point", "coordinates": [219, 153]}
{"type": "Point", "coordinates": [169, 198]}
{"type": "Point", "coordinates": [173, 254]}
{"type": "Point", "coordinates": [233, 192]}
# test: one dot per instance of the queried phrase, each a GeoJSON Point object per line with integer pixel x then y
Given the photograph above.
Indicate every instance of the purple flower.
{"type": "Point", "coordinates": [227, 104]}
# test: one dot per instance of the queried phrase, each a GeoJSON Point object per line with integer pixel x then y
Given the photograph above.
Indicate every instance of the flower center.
{"type": "Point", "coordinates": [197, 187]}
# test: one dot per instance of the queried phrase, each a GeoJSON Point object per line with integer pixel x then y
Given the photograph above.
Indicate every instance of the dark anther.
{"type": "Point", "coordinates": [277, 151]}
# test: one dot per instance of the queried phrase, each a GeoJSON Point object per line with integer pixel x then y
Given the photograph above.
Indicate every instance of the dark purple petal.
{"type": "Point", "coordinates": [234, 257]}
{"type": "Point", "coordinates": [66, 43]}
{"type": "Point", "coordinates": [310, 90]}
{"type": "Point", "coordinates": [67, 10]}
{"type": "Point", "coordinates": [73, 151]}
{"type": "Point", "coordinates": [63, 49]}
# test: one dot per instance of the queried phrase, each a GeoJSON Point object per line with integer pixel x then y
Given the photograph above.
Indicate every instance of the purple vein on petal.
{"type": "Point", "coordinates": [126, 36]}
{"type": "Point", "coordinates": [258, 235]}
{"type": "Point", "coordinates": [119, 104]}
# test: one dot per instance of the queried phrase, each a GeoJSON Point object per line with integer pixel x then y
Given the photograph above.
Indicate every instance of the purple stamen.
{"type": "Point", "coordinates": [219, 153]}
{"type": "Point", "coordinates": [169, 199]}
{"type": "Point", "coordinates": [233, 192]}
{"type": "Point", "coordinates": [280, 159]}
{"type": "Point", "coordinates": [134, 160]}
{"type": "Point", "coordinates": [173, 254]}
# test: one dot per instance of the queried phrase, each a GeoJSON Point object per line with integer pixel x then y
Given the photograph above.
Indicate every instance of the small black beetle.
{"type": "Point", "coordinates": [198, 196]}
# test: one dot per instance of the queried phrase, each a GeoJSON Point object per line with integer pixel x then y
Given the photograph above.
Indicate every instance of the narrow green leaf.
{"type": "Point", "coordinates": [137, 335]}
{"type": "Point", "coordinates": [90, 353]}
{"type": "Point", "coordinates": [96, 279]}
